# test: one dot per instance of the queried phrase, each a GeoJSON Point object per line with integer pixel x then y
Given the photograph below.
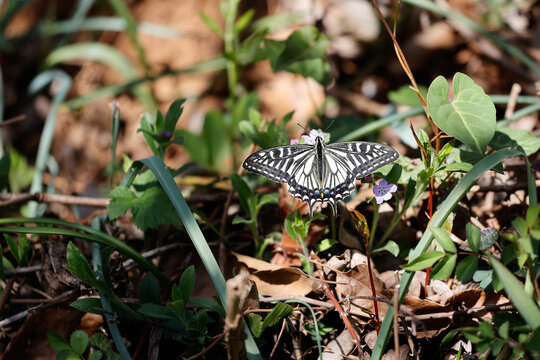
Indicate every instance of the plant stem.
{"type": "Point", "coordinates": [373, 227]}
{"type": "Point", "coordinates": [229, 40]}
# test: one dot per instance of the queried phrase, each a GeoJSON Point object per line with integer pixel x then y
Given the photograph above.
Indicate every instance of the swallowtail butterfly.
{"type": "Point", "coordinates": [319, 172]}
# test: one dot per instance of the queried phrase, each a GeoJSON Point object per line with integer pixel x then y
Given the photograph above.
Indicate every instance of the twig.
{"type": "Point", "coordinates": [13, 120]}
{"type": "Point", "coordinates": [11, 199]}
{"type": "Point", "coordinates": [151, 253]}
{"type": "Point", "coordinates": [204, 351]}
{"type": "Point", "coordinates": [278, 339]}
{"type": "Point", "coordinates": [301, 298]}
{"type": "Point", "coordinates": [5, 295]}
{"type": "Point", "coordinates": [514, 92]}
{"type": "Point", "coordinates": [471, 311]}
{"type": "Point", "coordinates": [335, 302]}
{"type": "Point", "coordinates": [23, 270]}
{"type": "Point", "coordinates": [56, 300]}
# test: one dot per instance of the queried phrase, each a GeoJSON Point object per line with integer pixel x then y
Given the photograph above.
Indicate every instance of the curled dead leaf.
{"type": "Point", "coordinates": [274, 280]}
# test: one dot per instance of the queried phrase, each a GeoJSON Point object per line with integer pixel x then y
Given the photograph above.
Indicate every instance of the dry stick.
{"type": "Point", "coordinates": [13, 120]}
{"type": "Point", "coordinates": [56, 300]}
{"type": "Point", "coordinates": [5, 295]}
{"type": "Point", "coordinates": [278, 339]}
{"type": "Point", "coordinates": [204, 351]}
{"type": "Point", "coordinates": [10, 199]}
{"type": "Point", "coordinates": [332, 298]}
{"type": "Point", "coordinates": [23, 270]}
{"type": "Point", "coordinates": [512, 100]}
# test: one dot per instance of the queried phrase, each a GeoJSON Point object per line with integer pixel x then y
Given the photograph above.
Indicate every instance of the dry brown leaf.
{"type": "Point", "coordinates": [356, 283]}
{"type": "Point", "coordinates": [274, 280]}
{"type": "Point", "coordinates": [339, 347]}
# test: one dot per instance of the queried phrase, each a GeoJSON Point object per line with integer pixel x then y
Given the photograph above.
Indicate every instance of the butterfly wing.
{"type": "Point", "coordinates": [361, 158]}
{"type": "Point", "coordinates": [278, 163]}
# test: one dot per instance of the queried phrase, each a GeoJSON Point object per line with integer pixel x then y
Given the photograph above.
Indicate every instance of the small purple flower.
{"type": "Point", "coordinates": [383, 191]}
{"type": "Point", "coordinates": [166, 135]}
{"type": "Point", "coordinates": [295, 141]}
{"type": "Point", "coordinates": [367, 179]}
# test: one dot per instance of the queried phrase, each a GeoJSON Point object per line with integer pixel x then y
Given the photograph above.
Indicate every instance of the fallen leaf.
{"type": "Point", "coordinates": [274, 280]}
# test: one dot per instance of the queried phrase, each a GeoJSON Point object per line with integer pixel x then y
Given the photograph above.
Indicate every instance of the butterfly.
{"type": "Point", "coordinates": [319, 172]}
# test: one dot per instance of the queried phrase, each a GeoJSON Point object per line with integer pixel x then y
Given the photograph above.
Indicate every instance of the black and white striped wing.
{"type": "Point", "coordinates": [279, 163]}
{"type": "Point", "coordinates": [361, 158]}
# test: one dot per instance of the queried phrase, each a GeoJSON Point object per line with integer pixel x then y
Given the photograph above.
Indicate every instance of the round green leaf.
{"type": "Point", "coordinates": [470, 117]}
{"type": "Point", "coordinates": [79, 341]}
{"type": "Point", "coordinates": [444, 268]}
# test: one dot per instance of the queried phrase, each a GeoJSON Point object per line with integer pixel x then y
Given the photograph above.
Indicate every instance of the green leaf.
{"type": "Point", "coordinates": [211, 23]}
{"type": "Point", "coordinates": [424, 261]}
{"type": "Point", "coordinates": [510, 252]}
{"type": "Point", "coordinates": [442, 237]}
{"type": "Point", "coordinates": [96, 355]}
{"type": "Point", "coordinates": [279, 312]}
{"type": "Point", "coordinates": [244, 193]}
{"type": "Point", "coordinates": [5, 164]}
{"type": "Point", "coordinates": [473, 237]}
{"type": "Point", "coordinates": [20, 174]}
{"type": "Point", "coordinates": [526, 306]}
{"type": "Point", "coordinates": [78, 264]}
{"type": "Point", "coordinates": [390, 246]}
{"type": "Point", "coordinates": [186, 283]}
{"type": "Point", "coordinates": [466, 268]}
{"type": "Point", "coordinates": [173, 114]}
{"type": "Point", "coordinates": [486, 330]}
{"type": "Point", "coordinates": [57, 342]}
{"type": "Point", "coordinates": [521, 226]}
{"type": "Point", "coordinates": [407, 96]}
{"type": "Point", "coordinates": [208, 304]}
{"type": "Point", "coordinates": [488, 237]}
{"type": "Point", "coordinates": [470, 117]}
{"type": "Point", "coordinates": [394, 174]}
{"type": "Point", "coordinates": [303, 44]}
{"type": "Point", "coordinates": [511, 138]}
{"type": "Point", "coordinates": [444, 268]}
{"type": "Point", "coordinates": [89, 305]}
{"type": "Point", "coordinates": [157, 311]}
{"type": "Point", "coordinates": [149, 290]}
{"type": "Point", "coordinates": [244, 20]}
{"type": "Point", "coordinates": [149, 210]}
{"type": "Point", "coordinates": [504, 329]}
{"type": "Point", "coordinates": [13, 248]}
{"type": "Point", "coordinates": [79, 341]}
{"type": "Point", "coordinates": [67, 355]}
{"type": "Point", "coordinates": [532, 215]}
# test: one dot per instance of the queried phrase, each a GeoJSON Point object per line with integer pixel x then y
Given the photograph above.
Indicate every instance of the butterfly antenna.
{"type": "Point", "coordinates": [328, 127]}
{"type": "Point", "coordinates": [306, 130]}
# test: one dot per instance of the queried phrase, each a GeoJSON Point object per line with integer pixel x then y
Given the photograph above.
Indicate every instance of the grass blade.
{"type": "Point", "coordinates": [438, 219]}
{"type": "Point", "coordinates": [107, 55]}
{"type": "Point", "coordinates": [175, 195]}
{"type": "Point", "coordinates": [47, 134]}
{"type": "Point", "coordinates": [526, 306]}
{"type": "Point", "coordinates": [105, 302]}
{"type": "Point", "coordinates": [83, 232]}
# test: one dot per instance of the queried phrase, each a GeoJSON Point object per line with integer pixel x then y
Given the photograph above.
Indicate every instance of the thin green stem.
{"type": "Point", "coordinates": [397, 215]}
{"type": "Point", "coordinates": [229, 38]}
{"type": "Point", "coordinates": [373, 225]}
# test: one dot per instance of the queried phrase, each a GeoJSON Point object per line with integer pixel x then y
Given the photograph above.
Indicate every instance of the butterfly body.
{"type": "Point", "coordinates": [320, 172]}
